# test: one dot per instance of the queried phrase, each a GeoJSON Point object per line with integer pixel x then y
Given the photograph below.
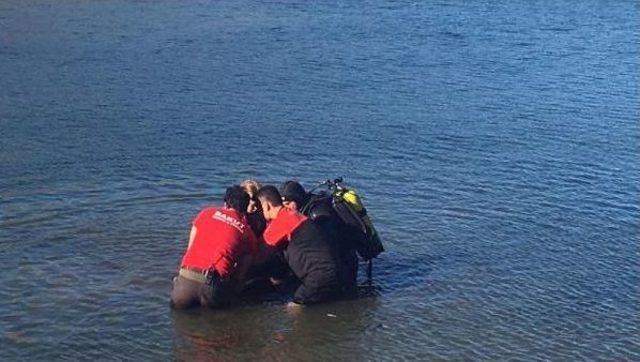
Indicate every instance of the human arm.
{"type": "Point", "coordinates": [194, 225]}
{"type": "Point", "coordinates": [239, 274]}
{"type": "Point", "coordinates": [245, 257]}
{"type": "Point", "coordinates": [192, 235]}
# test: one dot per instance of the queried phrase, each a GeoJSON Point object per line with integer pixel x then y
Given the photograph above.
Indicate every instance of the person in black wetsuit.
{"type": "Point", "coordinates": [309, 254]}
{"type": "Point", "coordinates": [294, 197]}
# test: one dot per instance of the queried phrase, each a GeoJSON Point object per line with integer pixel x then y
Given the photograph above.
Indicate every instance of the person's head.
{"type": "Point", "coordinates": [294, 197]}
{"type": "Point", "coordinates": [235, 198]}
{"type": "Point", "coordinates": [251, 187]}
{"type": "Point", "coordinates": [270, 200]}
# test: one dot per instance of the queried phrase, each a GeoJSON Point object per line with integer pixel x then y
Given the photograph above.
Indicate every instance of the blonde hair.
{"type": "Point", "coordinates": [250, 186]}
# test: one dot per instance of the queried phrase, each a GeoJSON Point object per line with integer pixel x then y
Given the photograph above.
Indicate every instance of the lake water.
{"type": "Point", "coordinates": [495, 144]}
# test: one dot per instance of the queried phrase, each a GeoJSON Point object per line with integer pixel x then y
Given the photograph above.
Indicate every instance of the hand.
{"type": "Point", "coordinates": [294, 309]}
{"type": "Point", "coordinates": [294, 305]}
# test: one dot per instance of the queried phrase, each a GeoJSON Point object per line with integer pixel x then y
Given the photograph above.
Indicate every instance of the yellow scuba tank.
{"type": "Point", "coordinates": [352, 198]}
{"type": "Point", "coordinates": [351, 211]}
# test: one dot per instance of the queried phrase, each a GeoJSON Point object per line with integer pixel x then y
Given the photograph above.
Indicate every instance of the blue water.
{"type": "Point", "coordinates": [495, 145]}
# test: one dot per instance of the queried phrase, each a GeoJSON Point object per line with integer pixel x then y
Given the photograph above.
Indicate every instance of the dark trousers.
{"type": "Point", "coordinates": [187, 293]}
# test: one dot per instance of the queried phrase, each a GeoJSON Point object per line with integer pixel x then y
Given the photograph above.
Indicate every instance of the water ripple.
{"type": "Point", "coordinates": [494, 145]}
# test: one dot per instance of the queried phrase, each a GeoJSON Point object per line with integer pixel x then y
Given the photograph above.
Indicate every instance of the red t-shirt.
{"type": "Point", "coordinates": [222, 236]}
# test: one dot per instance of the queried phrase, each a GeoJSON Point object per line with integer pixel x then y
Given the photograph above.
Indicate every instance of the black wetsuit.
{"type": "Point", "coordinates": [342, 238]}
{"type": "Point", "coordinates": [314, 262]}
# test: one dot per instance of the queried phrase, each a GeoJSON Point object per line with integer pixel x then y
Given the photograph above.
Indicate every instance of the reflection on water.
{"type": "Point", "coordinates": [274, 332]}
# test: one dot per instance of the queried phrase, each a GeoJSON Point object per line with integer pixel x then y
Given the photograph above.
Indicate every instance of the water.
{"type": "Point", "coordinates": [495, 145]}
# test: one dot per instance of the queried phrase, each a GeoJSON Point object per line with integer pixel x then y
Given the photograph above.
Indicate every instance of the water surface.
{"type": "Point", "coordinates": [494, 143]}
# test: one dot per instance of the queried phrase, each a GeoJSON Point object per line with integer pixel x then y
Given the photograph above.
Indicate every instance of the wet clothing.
{"type": "Point", "coordinates": [309, 255]}
{"type": "Point", "coordinates": [191, 291]}
{"type": "Point", "coordinates": [313, 261]}
{"type": "Point", "coordinates": [205, 278]}
{"type": "Point", "coordinates": [342, 237]}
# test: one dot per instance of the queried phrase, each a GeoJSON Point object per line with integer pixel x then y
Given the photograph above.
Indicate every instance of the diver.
{"type": "Point", "coordinates": [308, 253]}
{"type": "Point", "coordinates": [321, 211]}
{"type": "Point", "coordinates": [221, 248]}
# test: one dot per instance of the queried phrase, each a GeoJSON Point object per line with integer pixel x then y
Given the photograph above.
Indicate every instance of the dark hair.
{"type": "Point", "coordinates": [236, 198]}
{"type": "Point", "coordinates": [293, 191]}
{"type": "Point", "coordinates": [270, 193]}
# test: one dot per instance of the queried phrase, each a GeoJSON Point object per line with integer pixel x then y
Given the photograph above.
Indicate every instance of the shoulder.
{"type": "Point", "coordinates": [204, 213]}
{"type": "Point", "coordinates": [306, 229]}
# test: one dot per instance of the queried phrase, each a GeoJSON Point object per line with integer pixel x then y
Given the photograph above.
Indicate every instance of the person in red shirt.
{"type": "Point", "coordinates": [221, 246]}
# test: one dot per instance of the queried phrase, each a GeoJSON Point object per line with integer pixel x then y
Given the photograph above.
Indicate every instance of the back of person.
{"type": "Point", "coordinates": [218, 242]}
{"type": "Point", "coordinates": [312, 259]}
{"type": "Point", "coordinates": [320, 210]}
{"type": "Point", "coordinates": [342, 239]}
{"type": "Point", "coordinates": [221, 246]}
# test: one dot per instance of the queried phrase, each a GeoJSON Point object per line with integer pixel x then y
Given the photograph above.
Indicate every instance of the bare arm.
{"type": "Point", "coordinates": [192, 235]}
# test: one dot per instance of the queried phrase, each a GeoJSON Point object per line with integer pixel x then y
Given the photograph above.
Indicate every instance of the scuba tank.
{"type": "Point", "coordinates": [351, 210]}
{"type": "Point", "coordinates": [353, 199]}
